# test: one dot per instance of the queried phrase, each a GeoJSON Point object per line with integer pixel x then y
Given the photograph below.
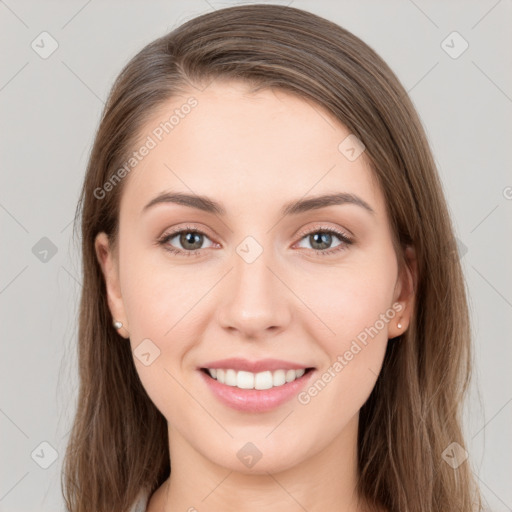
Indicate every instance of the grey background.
{"type": "Point", "coordinates": [50, 110]}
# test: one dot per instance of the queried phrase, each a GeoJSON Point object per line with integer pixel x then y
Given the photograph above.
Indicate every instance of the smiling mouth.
{"type": "Point", "coordinates": [257, 381]}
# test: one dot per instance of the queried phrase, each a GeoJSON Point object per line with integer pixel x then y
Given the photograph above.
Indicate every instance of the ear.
{"type": "Point", "coordinates": [405, 293]}
{"type": "Point", "coordinates": [110, 268]}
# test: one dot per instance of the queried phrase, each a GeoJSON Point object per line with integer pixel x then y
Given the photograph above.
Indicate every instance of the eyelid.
{"type": "Point", "coordinates": [324, 227]}
{"type": "Point", "coordinates": [176, 230]}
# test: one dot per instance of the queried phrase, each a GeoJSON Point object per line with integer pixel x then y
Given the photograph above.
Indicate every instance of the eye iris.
{"type": "Point", "coordinates": [190, 237]}
{"type": "Point", "coordinates": [323, 239]}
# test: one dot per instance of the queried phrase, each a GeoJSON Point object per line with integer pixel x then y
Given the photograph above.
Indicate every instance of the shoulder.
{"type": "Point", "coordinates": [141, 503]}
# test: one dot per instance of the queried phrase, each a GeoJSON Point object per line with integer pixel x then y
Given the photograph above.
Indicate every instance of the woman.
{"type": "Point", "coordinates": [273, 305]}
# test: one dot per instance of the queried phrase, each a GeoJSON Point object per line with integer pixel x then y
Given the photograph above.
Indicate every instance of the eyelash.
{"type": "Point", "coordinates": [346, 241]}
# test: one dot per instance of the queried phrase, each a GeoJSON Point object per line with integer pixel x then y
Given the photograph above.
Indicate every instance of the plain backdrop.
{"type": "Point", "coordinates": [50, 109]}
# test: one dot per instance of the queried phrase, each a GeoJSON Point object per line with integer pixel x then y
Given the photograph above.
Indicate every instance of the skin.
{"type": "Point", "coordinates": [254, 152]}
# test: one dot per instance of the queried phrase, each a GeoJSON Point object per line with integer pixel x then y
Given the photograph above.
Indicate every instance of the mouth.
{"type": "Point", "coordinates": [259, 381]}
{"type": "Point", "coordinates": [255, 393]}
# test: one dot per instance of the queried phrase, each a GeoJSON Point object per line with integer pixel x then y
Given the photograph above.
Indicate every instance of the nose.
{"type": "Point", "coordinates": [256, 302]}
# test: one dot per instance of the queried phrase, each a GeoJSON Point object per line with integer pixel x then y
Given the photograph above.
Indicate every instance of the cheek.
{"type": "Point", "coordinates": [156, 294]}
{"type": "Point", "coordinates": [351, 320]}
{"type": "Point", "coordinates": [347, 302]}
{"type": "Point", "coordinates": [165, 312]}
{"type": "Point", "coordinates": [159, 305]}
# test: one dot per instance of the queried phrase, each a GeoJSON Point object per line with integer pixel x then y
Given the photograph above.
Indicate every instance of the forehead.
{"type": "Point", "coordinates": [246, 149]}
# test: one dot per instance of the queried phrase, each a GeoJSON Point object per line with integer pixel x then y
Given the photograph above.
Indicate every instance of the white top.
{"type": "Point", "coordinates": [141, 503]}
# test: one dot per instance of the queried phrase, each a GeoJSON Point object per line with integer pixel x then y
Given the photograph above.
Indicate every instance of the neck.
{"type": "Point", "coordinates": [326, 480]}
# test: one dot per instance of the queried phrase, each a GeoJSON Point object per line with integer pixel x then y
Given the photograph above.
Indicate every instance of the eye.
{"type": "Point", "coordinates": [190, 239]}
{"type": "Point", "coordinates": [321, 240]}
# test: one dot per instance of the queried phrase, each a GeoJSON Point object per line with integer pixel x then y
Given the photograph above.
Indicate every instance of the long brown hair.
{"type": "Point", "coordinates": [118, 445]}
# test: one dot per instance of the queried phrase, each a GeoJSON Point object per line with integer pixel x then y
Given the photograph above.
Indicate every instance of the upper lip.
{"type": "Point", "coordinates": [240, 364]}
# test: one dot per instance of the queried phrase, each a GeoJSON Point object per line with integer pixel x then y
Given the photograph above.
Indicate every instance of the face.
{"type": "Point", "coordinates": [316, 287]}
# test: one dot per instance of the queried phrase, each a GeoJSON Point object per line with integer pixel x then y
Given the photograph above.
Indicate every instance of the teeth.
{"type": "Point", "coordinates": [248, 380]}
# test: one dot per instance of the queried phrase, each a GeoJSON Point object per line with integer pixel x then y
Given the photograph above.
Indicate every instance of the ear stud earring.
{"type": "Point", "coordinates": [399, 325]}
{"type": "Point", "coordinates": [117, 324]}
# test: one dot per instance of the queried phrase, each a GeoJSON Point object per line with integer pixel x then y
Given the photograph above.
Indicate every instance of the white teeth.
{"type": "Point", "coordinates": [290, 375]}
{"type": "Point", "coordinates": [230, 378]}
{"type": "Point", "coordinates": [249, 380]}
{"type": "Point", "coordinates": [279, 378]}
{"type": "Point", "coordinates": [263, 380]}
{"type": "Point", "coordinates": [245, 380]}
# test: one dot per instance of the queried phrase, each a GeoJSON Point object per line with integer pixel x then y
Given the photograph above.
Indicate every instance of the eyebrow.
{"type": "Point", "coordinates": [292, 208]}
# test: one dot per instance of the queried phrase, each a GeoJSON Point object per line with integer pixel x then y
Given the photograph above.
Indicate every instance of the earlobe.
{"type": "Point", "coordinates": [109, 266]}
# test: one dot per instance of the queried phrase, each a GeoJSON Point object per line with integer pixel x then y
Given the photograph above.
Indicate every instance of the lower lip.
{"type": "Point", "coordinates": [256, 400]}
